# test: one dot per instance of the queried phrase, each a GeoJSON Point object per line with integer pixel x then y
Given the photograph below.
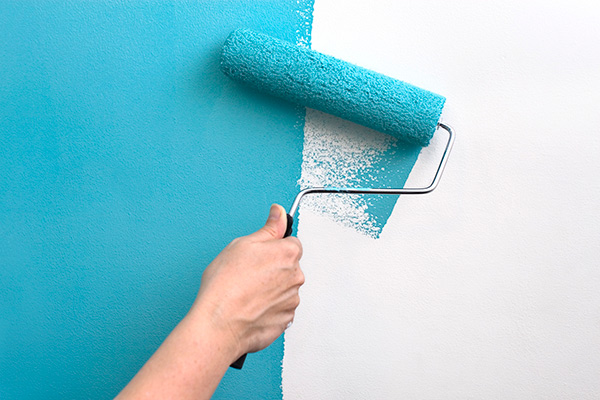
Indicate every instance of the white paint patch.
{"type": "Point", "coordinates": [488, 287]}
{"type": "Point", "coordinates": [339, 153]}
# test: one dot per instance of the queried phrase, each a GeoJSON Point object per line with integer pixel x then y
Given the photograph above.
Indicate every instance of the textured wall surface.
{"type": "Point", "coordinates": [487, 288]}
{"type": "Point", "coordinates": [128, 162]}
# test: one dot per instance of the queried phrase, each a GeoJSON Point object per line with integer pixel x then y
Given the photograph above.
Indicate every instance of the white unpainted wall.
{"type": "Point", "coordinates": [488, 288]}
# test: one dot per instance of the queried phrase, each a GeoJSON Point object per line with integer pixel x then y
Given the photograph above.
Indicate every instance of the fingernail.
{"type": "Point", "coordinates": [274, 214]}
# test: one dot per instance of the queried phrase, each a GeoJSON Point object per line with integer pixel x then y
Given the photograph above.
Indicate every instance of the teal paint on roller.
{"type": "Point", "coordinates": [325, 83]}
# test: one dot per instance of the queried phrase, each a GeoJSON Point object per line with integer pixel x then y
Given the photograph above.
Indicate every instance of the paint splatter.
{"type": "Point", "coordinates": [304, 13]}
{"type": "Point", "coordinates": [339, 153]}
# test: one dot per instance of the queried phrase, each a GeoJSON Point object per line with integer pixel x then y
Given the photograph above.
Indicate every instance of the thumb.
{"type": "Point", "coordinates": [275, 226]}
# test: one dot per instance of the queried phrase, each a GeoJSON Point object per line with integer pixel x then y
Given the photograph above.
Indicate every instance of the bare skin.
{"type": "Point", "coordinates": [247, 297]}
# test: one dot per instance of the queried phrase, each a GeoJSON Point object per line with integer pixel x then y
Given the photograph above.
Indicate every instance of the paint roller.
{"type": "Point", "coordinates": [312, 79]}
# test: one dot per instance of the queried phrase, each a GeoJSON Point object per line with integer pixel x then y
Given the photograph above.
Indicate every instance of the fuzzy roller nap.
{"type": "Point", "coordinates": [325, 83]}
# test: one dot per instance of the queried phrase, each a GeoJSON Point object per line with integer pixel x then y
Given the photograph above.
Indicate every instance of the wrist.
{"type": "Point", "coordinates": [207, 322]}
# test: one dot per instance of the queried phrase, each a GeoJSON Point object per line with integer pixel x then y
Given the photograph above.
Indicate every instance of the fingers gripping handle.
{"type": "Point", "coordinates": [239, 363]}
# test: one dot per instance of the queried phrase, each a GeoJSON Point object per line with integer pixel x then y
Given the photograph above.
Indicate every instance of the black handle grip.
{"type": "Point", "coordinates": [239, 363]}
{"type": "Point", "coordinates": [290, 222]}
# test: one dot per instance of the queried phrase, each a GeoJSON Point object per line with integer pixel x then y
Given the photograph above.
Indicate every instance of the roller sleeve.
{"type": "Point", "coordinates": [306, 77]}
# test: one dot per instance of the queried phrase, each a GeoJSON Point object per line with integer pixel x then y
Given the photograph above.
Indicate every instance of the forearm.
{"type": "Point", "coordinates": [188, 365]}
{"type": "Point", "coordinates": [247, 297]}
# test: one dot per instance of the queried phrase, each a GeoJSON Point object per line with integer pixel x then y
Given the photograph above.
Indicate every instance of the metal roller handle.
{"type": "Point", "coordinates": [436, 180]}
{"type": "Point", "coordinates": [422, 190]}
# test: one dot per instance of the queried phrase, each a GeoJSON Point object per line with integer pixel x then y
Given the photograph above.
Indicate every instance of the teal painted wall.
{"type": "Point", "coordinates": [128, 162]}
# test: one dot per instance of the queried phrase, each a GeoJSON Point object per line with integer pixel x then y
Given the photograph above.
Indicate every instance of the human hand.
{"type": "Point", "coordinates": [247, 297]}
{"type": "Point", "coordinates": [249, 292]}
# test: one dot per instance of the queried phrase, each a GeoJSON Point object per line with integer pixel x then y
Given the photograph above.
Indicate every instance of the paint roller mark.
{"type": "Point", "coordinates": [339, 153]}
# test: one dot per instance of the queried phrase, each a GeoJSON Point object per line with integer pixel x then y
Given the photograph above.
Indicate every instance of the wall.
{"type": "Point", "coordinates": [128, 162]}
{"type": "Point", "coordinates": [116, 193]}
{"type": "Point", "coordinates": [488, 287]}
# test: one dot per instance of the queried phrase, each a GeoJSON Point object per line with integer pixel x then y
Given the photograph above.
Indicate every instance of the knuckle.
{"type": "Point", "coordinates": [299, 248]}
{"type": "Point", "coordinates": [293, 248]}
{"type": "Point", "coordinates": [296, 301]}
{"type": "Point", "coordinates": [300, 278]}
